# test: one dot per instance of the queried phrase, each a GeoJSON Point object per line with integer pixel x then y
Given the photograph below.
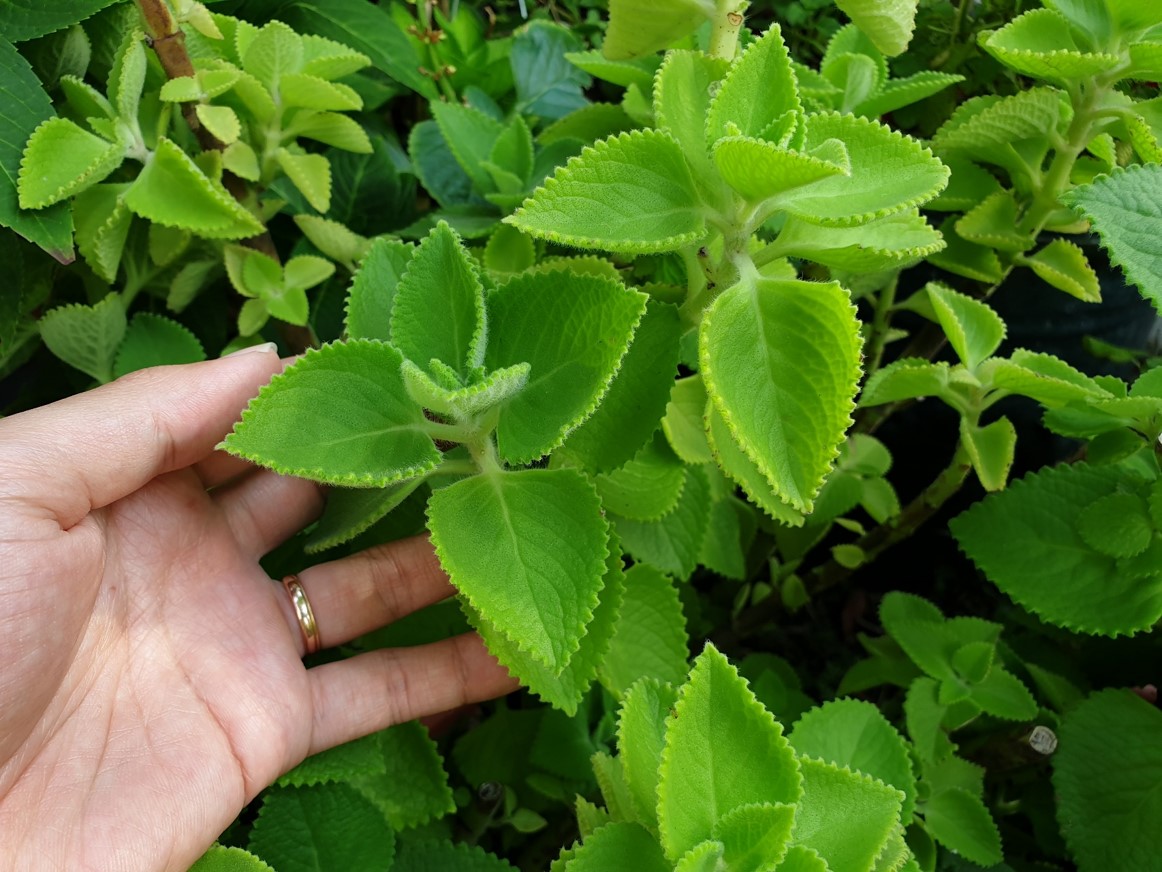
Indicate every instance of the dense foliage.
{"type": "Point", "coordinates": [611, 299]}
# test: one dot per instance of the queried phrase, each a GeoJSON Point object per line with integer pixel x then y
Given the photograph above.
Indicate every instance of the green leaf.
{"type": "Point", "coordinates": [905, 379]}
{"type": "Point", "coordinates": [1065, 266]}
{"type": "Point", "coordinates": [636, 400]}
{"type": "Point", "coordinates": [321, 828]}
{"type": "Point", "coordinates": [781, 363]}
{"type": "Point", "coordinates": [758, 90]}
{"type": "Point", "coordinates": [685, 84]}
{"type": "Point", "coordinates": [923, 715]}
{"type": "Point", "coordinates": [986, 128]}
{"type": "Point", "coordinates": [964, 258]}
{"type": "Point", "coordinates": [563, 689]}
{"type": "Point", "coordinates": [573, 330]}
{"type": "Point", "coordinates": [222, 859]}
{"type": "Point", "coordinates": [755, 836]}
{"type": "Point", "coordinates": [674, 542]}
{"type": "Point", "coordinates": [154, 340]}
{"type": "Point", "coordinates": [641, 735]}
{"type": "Point", "coordinates": [725, 544]}
{"type": "Point", "coordinates": [220, 121]}
{"type": "Point", "coordinates": [1118, 525]}
{"type": "Point", "coordinates": [745, 472]}
{"type": "Point", "coordinates": [204, 207]}
{"type": "Point", "coordinates": [509, 251]}
{"type": "Point", "coordinates": [853, 734]}
{"type": "Point", "coordinates": [994, 223]}
{"type": "Point", "coordinates": [889, 173]}
{"type": "Point", "coordinates": [86, 337]}
{"type": "Point", "coordinates": [614, 791]}
{"type": "Point", "coordinates": [63, 159]}
{"type": "Point", "coordinates": [538, 580]}
{"type": "Point", "coordinates": [1002, 695]}
{"type": "Point", "coordinates": [1125, 208]}
{"type": "Point", "coordinates": [334, 129]}
{"type": "Point", "coordinates": [25, 107]}
{"type": "Point", "coordinates": [631, 193]}
{"type": "Point", "coordinates": [1040, 43]}
{"type": "Point", "coordinates": [1106, 774]}
{"type": "Point", "coordinates": [1026, 541]}
{"type": "Point", "coordinates": [547, 84]}
{"type": "Point", "coordinates": [800, 859]}
{"type": "Point", "coordinates": [760, 170]}
{"type": "Point", "coordinates": [649, 640]}
{"type": "Point", "coordinates": [1047, 379]}
{"type": "Point", "coordinates": [638, 72]}
{"type": "Point", "coordinates": [333, 239]}
{"type": "Point", "coordinates": [338, 415]}
{"type": "Point", "coordinates": [491, 390]}
{"type": "Point", "coordinates": [647, 487]}
{"type": "Point", "coordinates": [471, 135]}
{"type": "Point", "coordinates": [274, 51]}
{"type": "Point", "coordinates": [641, 27]}
{"type": "Point", "coordinates": [366, 28]}
{"type": "Point", "coordinates": [103, 222]}
{"type": "Point", "coordinates": [338, 764]}
{"type": "Point", "coordinates": [973, 328]}
{"type": "Point", "coordinates": [684, 423]}
{"type": "Point", "coordinates": [723, 750]}
{"type": "Point", "coordinates": [991, 450]}
{"type": "Point", "coordinates": [310, 173]}
{"type": "Point", "coordinates": [127, 77]}
{"type": "Point", "coordinates": [706, 856]}
{"type": "Point", "coordinates": [407, 781]}
{"type": "Point", "coordinates": [299, 90]}
{"type": "Point", "coordinates": [959, 821]}
{"type": "Point", "coordinates": [894, 242]}
{"type": "Point", "coordinates": [351, 511]}
{"type": "Point", "coordinates": [844, 816]}
{"type": "Point", "coordinates": [438, 308]}
{"type": "Point", "coordinates": [373, 289]}
{"type": "Point", "coordinates": [20, 21]}
{"type": "Point", "coordinates": [619, 845]}
{"type": "Point", "coordinates": [888, 23]}
{"type": "Point", "coordinates": [927, 637]}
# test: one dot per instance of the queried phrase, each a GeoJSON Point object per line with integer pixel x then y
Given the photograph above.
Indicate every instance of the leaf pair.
{"type": "Point", "coordinates": [272, 288]}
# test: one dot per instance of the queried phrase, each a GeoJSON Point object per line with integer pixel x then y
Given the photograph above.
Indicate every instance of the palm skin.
{"type": "Point", "coordinates": [152, 682]}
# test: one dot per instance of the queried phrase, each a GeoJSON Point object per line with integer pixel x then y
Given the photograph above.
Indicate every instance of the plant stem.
{"type": "Point", "coordinates": [881, 323]}
{"type": "Point", "coordinates": [728, 20]}
{"type": "Point", "coordinates": [872, 543]}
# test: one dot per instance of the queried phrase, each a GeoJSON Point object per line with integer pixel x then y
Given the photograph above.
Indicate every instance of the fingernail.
{"type": "Point", "coordinates": [265, 348]}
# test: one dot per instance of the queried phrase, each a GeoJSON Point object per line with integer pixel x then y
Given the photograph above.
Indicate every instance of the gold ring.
{"type": "Point", "coordinates": [304, 612]}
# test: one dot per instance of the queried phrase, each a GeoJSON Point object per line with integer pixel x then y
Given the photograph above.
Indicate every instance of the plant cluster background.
{"type": "Point", "coordinates": [776, 382]}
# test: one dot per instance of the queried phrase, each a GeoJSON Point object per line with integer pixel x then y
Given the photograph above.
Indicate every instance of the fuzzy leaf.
{"type": "Point", "coordinates": [641, 735]}
{"type": "Point", "coordinates": [973, 328]}
{"type": "Point", "coordinates": [547, 84]}
{"type": "Point", "coordinates": [372, 294]}
{"type": "Point", "coordinates": [641, 27]}
{"type": "Point", "coordinates": [991, 450]}
{"type": "Point", "coordinates": [102, 222]}
{"type": "Point", "coordinates": [706, 856]}
{"type": "Point", "coordinates": [758, 169]}
{"type": "Point", "coordinates": [904, 379]}
{"type": "Point", "coordinates": [853, 734]}
{"type": "Point", "coordinates": [684, 423]}
{"type": "Point", "coordinates": [334, 129]}
{"type": "Point", "coordinates": [1025, 540]}
{"type": "Point", "coordinates": [311, 829]}
{"type": "Point", "coordinates": [985, 128]}
{"type": "Point", "coordinates": [964, 258]}
{"type": "Point", "coordinates": [472, 399]}
{"type": "Point", "coordinates": [274, 51]}
{"type": "Point", "coordinates": [154, 340]}
{"type": "Point", "coordinates": [1118, 525]}
{"type": "Point", "coordinates": [781, 363]}
{"type": "Point", "coordinates": [673, 542]}
{"type": "Point", "coordinates": [204, 207]}
{"type": "Point", "coordinates": [1126, 210]}
{"type": "Point", "coordinates": [220, 121]}
{"type": "Point", "coordinates": [1065, 266]}
{"type": "Point", "coordinates": [351, 511]}
{"type": "Point", "coordinates": [758, 90]}
{"type": "Point", "coordinates": [800, 859]}
{"type": "Point", "coordinates": [471, 135]}
{"type": "Point", "coordinates": [649, 640]}
{"type": "Point", "coordinates": [438, 308]}
{"type": "Point", "coordinates": [432, 855]}
{"type": "Point", "coordinates": [1040, 43]}
{"type": "Point", "coordinates": [63, 159]}
{"type": "Point", "coordinates": [408, 783]}
{"type": "Point", "coordinates": [338, 415]}
{"type": "Point", "coordinates": [755, 837]}
{"type": "Point", "coordinates": [528, 551]}
{"type": "Point", "coordinates": [1109, 741]}
{"type": "Point", "coordinates": [923, 715]}
{"type": "Point", "coordinates": [631, 193]}
{"type": "Point", "coordinates": [745, 472]}
{"type": "Point", "coordinates": [223, 859]}
{"type": "Point", "coordinates": [722, 750]}
{"type": "Point", "coordinates": [685, 84]}
{"type": "Point", "coordinates": [636, 400]}
{"type": "Point", "coordinates": [894, 242]}
{"type": "Point", "coordinates": [299, 90]}
{"type": "Point", "coordinates": [959, 821]}
{"type": "Point", "coordinates": [619, 845]}
{"type": "Point", "coordinates": [993, 223]}
{"type": "Point", "coordinates": [310, 173]}
{"type": "Point", "coordinates": [889, 173]}
{"type": "Point", "coordinates": [845, 816]}
{"type": "Point", "coordinates": [647, 487]}
{"type": "Point", "coordinates": [86, 337]}
{"type": "Point", "coordinates": [573, 330]}
{"type": "Point", "coordinates": [338, 764]}
{"type": "Point", "coordinates": [1047, 379]}
{"type": "Point", "coordinates": [888, 23]}
{"type": "Point", "coordinates": [929, 639]}
{"type": "Point", "coordinates": [564, 689]}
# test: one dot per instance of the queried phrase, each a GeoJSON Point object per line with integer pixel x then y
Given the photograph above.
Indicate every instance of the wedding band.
{"type": "Point", "coordinates": [304, 613]}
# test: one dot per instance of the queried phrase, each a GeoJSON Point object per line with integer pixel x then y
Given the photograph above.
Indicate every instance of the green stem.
{"type": "Point", "coordinates": [449, 432]}
{"type": "Point", "coordinates": [881, 323]}
{"type": "Point", "coordinates": [872, 543]}
{"type": "Point", "coordinates": [728, 20]}
{"type": "Point", "coordinates": [429, 36]}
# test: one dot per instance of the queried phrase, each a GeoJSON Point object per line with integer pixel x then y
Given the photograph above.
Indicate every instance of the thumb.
{"type": "Point", "coordinates": [87, 451]}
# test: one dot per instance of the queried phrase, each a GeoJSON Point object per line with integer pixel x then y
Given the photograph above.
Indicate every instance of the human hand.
{"type": "Point", "coordinates": [152, 682]}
